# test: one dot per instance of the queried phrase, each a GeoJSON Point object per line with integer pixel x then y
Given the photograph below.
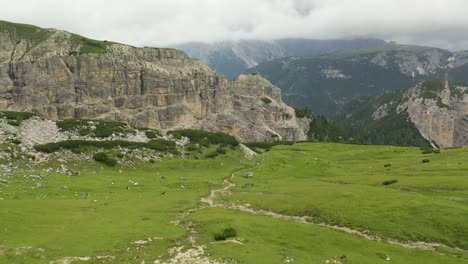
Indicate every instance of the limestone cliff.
{"type": "Point", "coordinates": [59, 75]}
{"type": "Point", "coordinates": [439, 111]}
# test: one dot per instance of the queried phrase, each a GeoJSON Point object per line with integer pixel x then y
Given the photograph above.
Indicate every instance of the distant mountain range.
{"type": "Point", "coordinates": [232, 58]}
{"type": "Point", "coordinates": [324, 83]}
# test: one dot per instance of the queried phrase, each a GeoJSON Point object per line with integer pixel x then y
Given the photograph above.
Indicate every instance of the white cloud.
{"type": "Point", "coordinates": [162, 22]}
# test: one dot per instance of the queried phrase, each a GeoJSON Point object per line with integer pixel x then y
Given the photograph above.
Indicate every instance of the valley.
{"type": "Point", "coordinates": [301, 203]}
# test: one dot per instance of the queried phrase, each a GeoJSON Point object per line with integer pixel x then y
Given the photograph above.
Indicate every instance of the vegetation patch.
{"type": "Point", "coordinates": [266, 100]}
{"type": "Point", "coordinates": [320, 129]}
{"type": "Point", "coordinates": [89, 46]}
{"type": "Point", "coordinates": [389, 182]}
{"type": "Point", "coordinates": [303, 112]}
{"type": "Point", "coordinates": [430, 151]}
{"type": "Point", "coordinates": [431, 89]}
{"type": "Point", "coordinates": [225, 234]}
{"type": "Point", "coordinates": [15, 118]}
{"type": "Point", "coordinates": [206, 138]}
{"type": "Point", "coordinates": [104, 158]}
{"type": "Point", "coordinates": [212, 154]}
{"type": "Point", "coordinates": [100, 129]}
{"type": "Point", "coordinates": [82, 145]}
{"type": "Point", "coordinates": [266, 146]}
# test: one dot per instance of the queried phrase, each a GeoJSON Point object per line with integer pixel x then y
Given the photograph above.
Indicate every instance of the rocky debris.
{"type": "Point", "coordinates": [36, 131]}
{"type": "Point", "coordinates": [70, 260]}
{"type": "Point", "coordinates": [381, 112]}
{"type": "Point", "coordinates": [248, 153]}
{"type": "Point", "coordinates": [195, 255]}
{"type": "Point", "coordinates": [336, 260]}
{"type": "Point", "coordinates": [335, 74]}
{"type": "Point", "coordinates": [248, 175]}
{"type": "Point", "coordinates": [145, 87]}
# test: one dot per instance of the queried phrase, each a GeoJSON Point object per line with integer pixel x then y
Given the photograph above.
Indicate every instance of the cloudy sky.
{"type": "Point", "coordinates": [441, 23]}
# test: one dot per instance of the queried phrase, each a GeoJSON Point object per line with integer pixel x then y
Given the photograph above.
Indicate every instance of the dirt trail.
{"type": "Point", "coordinates": [228, 184]}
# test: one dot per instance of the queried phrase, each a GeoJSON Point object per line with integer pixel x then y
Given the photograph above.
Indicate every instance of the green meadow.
{"type": "Point", "coordinates": [129, 213]}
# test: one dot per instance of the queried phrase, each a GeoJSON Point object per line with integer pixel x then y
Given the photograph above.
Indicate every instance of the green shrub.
{"type": "Point", "coordinates": [206, 138]}
{"type": "Point", "coordinates": [303, 112]}
{"type": "Point", "coordinates": [16, 141]}
{"type": "Point", "coordinates": [151, 134]}
{"type": "Point", "coordinates": [103, 128]}
{"type": "Point", "coordinates": [430, 151]}
{"type": "Point", "coordinates": [425, 161]}
{"type": "Point", "coordinates": [387, 165]}
{"type": "Point", "coordinates": [120, 155]}
{"type": "Point", "coordinates": [158, 145]}
{"type": "Point", "coordinates": [266, 145]}
{"type": "Point", "coordinates": [104, 158]}
{"type": "Point", "coordinates": [192, 147]}
{"type": "Point", "coordinates": [15, 118]}
{"type": "Point", "coordinates": [211, 155]}
{"type": "Point", "coordinates": [221, 150]}
{"type": "Point", "coordinates": [266, 100]}
{"type": "Point", "coordinates": [389, 182]}
{"type": "Point", "coordinates": [227, 233]}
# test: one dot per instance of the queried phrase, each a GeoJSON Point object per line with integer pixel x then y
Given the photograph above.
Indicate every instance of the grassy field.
{"type": "Point", "coordinates": [94, 213]}
{"type": "Point", "coordinates": [344, 185]}
{"type": "Point", "coordinates": [102, 212]}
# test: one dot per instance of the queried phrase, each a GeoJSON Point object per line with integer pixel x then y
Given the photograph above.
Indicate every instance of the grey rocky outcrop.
{"type": "Point", "coordinates": [144, 87]}
{"type": "Point", "coordinates": [442, 119]}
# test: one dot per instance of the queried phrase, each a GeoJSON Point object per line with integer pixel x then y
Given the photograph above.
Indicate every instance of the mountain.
{"type": "Point", "coordinates": [60, 75]}
{"type": "Point", "coordinates": [324, 83]}
{"type": "Point", "coordinates": [232, 58]}
{"type": "Point", "coordinates": [430, 113]}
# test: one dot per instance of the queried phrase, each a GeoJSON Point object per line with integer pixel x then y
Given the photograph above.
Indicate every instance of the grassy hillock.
{"type": "Point", "coordinates": [36, 35]}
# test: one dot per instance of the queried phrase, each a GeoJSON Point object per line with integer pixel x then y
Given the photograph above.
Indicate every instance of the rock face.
{"type": "Point", "coordinates": [58, 77]}
{"type": "Point", "coordinates": [441, 117]}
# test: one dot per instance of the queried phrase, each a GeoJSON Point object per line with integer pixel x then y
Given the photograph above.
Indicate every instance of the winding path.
{"type": "Point", "coordinates": [212, 201]}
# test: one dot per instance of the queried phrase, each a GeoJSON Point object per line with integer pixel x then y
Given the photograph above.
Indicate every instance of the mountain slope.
{"type": "Point", "coordinates": [326, 82]}
{"type": "Point", "coordinates": [431, 111]}
{"type": "Point", "coordinates": [60, 75]}
{"type": "Point", "coordinates": [232, 58]}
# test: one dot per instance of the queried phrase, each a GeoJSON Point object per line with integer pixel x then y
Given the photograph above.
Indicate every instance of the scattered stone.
{"type": "Point", "coordinates": [248, 175]}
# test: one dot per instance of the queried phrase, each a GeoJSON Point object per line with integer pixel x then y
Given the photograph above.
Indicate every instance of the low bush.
{"type": "Point", "coordinates": [425, 161]}
{"type": "Point", "coordinates": [227, 233]}
{"type": "Point", "coordinates": [16, 141]}
{"type": "Point", "coordinates": [221, 150]}
{"type": "Point", "coordinates": [151, 134]}
{"type": "Point", "coordinates": [387, 165]}
{"type": "Point", "coordinates": [15, 118]}
{"type": "Point", "coordinates": [430, 151]}
{"type": "Point", "coordinates": [192, 147]}
{"type": "Point", "coordinates": [266, 100]}
{"type": "Point", "coordinates": [206, 138]}
{"type": "Point", "coordinates": [104, 158]}
{"type": "Point", "coordinates": [83, 126]}
{"type": "Point", "coordinates": [211, 155]}
{"type": "Point", "coordinates": [266, 145]}
{"type": "Point", "coordinates": [158, 144]}
{"type": "Point", "coordinates": [389, 182]}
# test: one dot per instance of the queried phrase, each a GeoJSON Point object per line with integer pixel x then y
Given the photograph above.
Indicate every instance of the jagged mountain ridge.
{"type": "Point", "coordinates": [59, 75]}
{"type": "Point", "coordinates": [232, 58]}
{"type": "Point", "coordinates": [324, 83]}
